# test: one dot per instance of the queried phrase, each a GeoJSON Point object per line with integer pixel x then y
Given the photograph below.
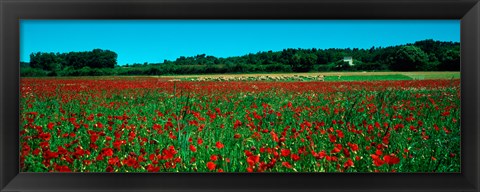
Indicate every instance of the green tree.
{"type": "Point", "coordinates": [46, 61]}
{"type": "Point", "coordinates": [303, 62]}
{"type": "Point", "coordinates": [409, 58]}
{"type": "Point", "coordinates": [450, 61]}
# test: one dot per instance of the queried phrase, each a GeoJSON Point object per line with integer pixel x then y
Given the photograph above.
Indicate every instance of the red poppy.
{"type": "Point", "coordinates": [151, 168]}
{"type": "Point", "coordinates": [211, 166]}
{"type": "Point", "coordinates": [130, 161]}
{"type": "Point", "coordinates": [285, 152]}
{"type": "Point", "coordinates": [107, 152]}
{"type": "Point", "coordinates": [295, 157]}
{"type": "Point", "coordinates": [353, 147]}
{"type": "Point", "coordinates": [62, 168]}
{"type": "Point", "coordinates": [236, 136]}
{"type": "Point", "coordinates": [45, 136]}
{"type": "Point", "coordinates": [237, 124]}
{"type": "Point", "coordinates": [117, 144]}
{"type": "Point", "coordinates": [348, 164]}
{"type": "Point", "coordinates": [214, 157]}
{"type": "Point", "coordinates": [376, 160]}
{"type": "Point", "coordinates": [332, 138]}
{"type": "Point", "coordinates": [253, 159]}
{"type": "Point", "coordinates": [152, 157]}
{"type": "Point", "coordinates": [50, 125]}
{"type": "Point", "coordinates": [346, 152]}
{"type": "Point", "coordinates": [61, 150]}
{"type": "Point", "coordinates": [286, 164]}
{"type": "Point", "coordinates": [391, 159]}
{"type": "Point", "coordinates": [50, 155]}
{"type": "Point", "coordinates": [340, 133]}
{"type": "Point", "coordinates": [192, 148]}
{"type": "Point", "coordinates": [322, 154]}
{"type": "Point", "coordinates": [109, 169]}
{"type": "Point", "coordinates": [219, 145]}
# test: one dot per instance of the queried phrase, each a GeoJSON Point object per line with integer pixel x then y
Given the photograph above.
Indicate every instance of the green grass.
{"type": "Point", "coordinates": [368, 78]}
{"type": "Point", "coordinates": [435, 76]}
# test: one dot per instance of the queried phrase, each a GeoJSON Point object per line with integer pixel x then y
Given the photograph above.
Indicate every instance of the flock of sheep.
{"type": "Point", "coordinates": [261, 78]}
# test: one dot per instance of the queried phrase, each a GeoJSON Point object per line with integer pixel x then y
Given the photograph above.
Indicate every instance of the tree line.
{"type": "Point", "coordinates": [426, 55]}
{"type": "Point", "coordinates": [54, 63]}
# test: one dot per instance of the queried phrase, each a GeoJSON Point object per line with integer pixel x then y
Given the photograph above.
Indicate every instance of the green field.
{"type": "Point", "coordinates": [149, 124]}
{"type": "Point", "coordinates": [331, 76]}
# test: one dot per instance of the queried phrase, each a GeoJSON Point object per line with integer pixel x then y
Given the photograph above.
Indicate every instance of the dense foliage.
{"type": "Point", "coordinates": [426, 55]}
{"type": "Point", "coordinates": [54, 63]}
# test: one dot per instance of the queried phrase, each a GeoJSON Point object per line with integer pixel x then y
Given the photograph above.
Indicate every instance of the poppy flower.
{"type": "Point", "coordinates": [45, 136]}
{"type": "Point", "coordinates": [286, 164]}
{"type": "Point", "coordinates": [109, 169]}
{"type": "Point", "coordinates": [340, 133]}
{"type": "Point", "coordinates": [295, 157]}
{"type": "Point", "coordinates": [346, 152]}
{"type": "Point", "coordinates": [322, 154]}
{"type": "Point", "coordinates": [219, 145]}
{"type": "Point", "coordinates": [236, 136]}
{"type": "Point", "coordinates": [391, 159]}
{"type": "Point", "coordinates": [253, 159]}
{"type": "Point", "coordinates": [353, 147]}
{"type": "Point", "coordinates": [107, 152]}
{"type": "Point", "coordinates": [337, 148]}
{"type": "Point", "coordinates": [152, 157]}
{"type": "Point", "coordinates": [211, 166]}
{"type": "Point", "coordinates": [117, 144]}
{"type": "Point", "coordinates": [36, 152]}
{"type": "Point", "coordinates": [214, 157]}
{"type": "Point", "coordinates": [332, 138]}
{"type": "Point", "coordinates": [50, 125]}
{"type": "Point", "coordinates": [62, 168]}
{"type": "Point", "coordinates": [378, 152]}
{"type": "Point", "coordinates": [50, 155]}
{"type": "Point", "coordinates": [237, 124]}
{"type": "Point", "coordinates": [376, 160]}
{"type": "Point", "coordinates": [348, 164]}
{"type": "Point", "coordinates": [192, 148]}
{"type": "Point", "coordinates": [130, 161]}
{"type": "Point", "coordinates": [151, 168]}
{"type": "Point", "coordinates": [285, 152]}
{"type": "Point", "coordinates": [61, 150]}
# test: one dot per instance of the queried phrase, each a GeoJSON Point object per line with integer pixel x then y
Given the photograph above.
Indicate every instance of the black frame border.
{"type": "Point", "coordinates": [11, 11]}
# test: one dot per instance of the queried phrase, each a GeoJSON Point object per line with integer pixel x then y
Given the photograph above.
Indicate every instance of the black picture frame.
{"type": "Point", "coordinates": [468, 11]}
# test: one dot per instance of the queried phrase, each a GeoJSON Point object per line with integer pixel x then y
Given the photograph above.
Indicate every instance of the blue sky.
{"type": "Point", "coordinates": [139, 41]}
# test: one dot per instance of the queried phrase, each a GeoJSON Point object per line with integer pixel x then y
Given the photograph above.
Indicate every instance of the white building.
{"type": "Point", "coordinates": [349, 60]}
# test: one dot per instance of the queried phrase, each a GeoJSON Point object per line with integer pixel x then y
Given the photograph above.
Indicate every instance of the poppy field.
{"type": "Point", "coordinates": [149, 124]}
